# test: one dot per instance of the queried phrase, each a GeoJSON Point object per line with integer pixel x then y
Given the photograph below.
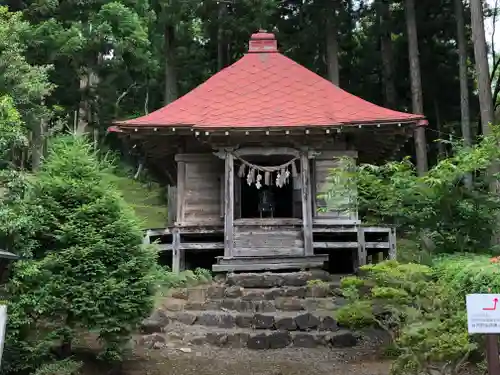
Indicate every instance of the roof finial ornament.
{"type": "Point", "coordinates": [263, 42]}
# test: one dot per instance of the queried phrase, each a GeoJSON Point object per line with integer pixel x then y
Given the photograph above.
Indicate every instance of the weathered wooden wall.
{"type": "Point", "coordinates": [172, 204]}
{"type": "Point", "coordinates": [199, 188]}
{"type": "Point", "coordinates": [322, 166]}
{"type": "Point", "coordinates": [267, 240]}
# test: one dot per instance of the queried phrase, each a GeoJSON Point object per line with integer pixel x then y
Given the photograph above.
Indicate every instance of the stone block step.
{"type": "Point", "coordinates": [317, 290]}
{"type": "Point", "coordinates": [247, 338]}
{"type": "Point", "coordinates": [273, 280]}
{"type": "Point", "coordinates": [285, 321]}
{"type": "Point", "coordinates": [220, 291]}
{"type": "Point", "coordinates": [266, 306]}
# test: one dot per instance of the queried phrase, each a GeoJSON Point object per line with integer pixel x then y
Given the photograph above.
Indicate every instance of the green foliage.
{"type": "Point", "coordinates": [469, 273]}
{"type": "Point", "coordinates": [27, 84]}
{"type": "Point", "coordinates": [88, 270]}
{"type": "Point", "coordinates": [339, 194]}
{"type": "Point", "coordinates": [411, 251]}
{"type": "Point", "coordinates": [357, 314]}
{"type": "Point", "coordinates": [145, 199]}
{"type": "Point", "coordinates": [15, 222]}
{"type": "Point", "coordinates": [351, 282]}
{"type": "Point", "coordinates": [421, 310]}
{"type": "Point", "coordinates": [203, 275]}
{"type": "Point", "coordinates": [317, 282]}
{"type": "Point", "coordinates": [449, 216]}
{"type": "Point", "coordinates": [167, 280]}
{"type": "Point", "coordinates": [13, 134]}
{"type": "Point", "coordinates": [64, 367]}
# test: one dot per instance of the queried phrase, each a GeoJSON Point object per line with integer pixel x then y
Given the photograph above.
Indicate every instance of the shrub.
{"type": "Point", "coordinates": [65, 367]}
{"type": "Point", "coordinates": [167, 280]}
{"type": "Point", "coordinates": [203, 275]}
{"type": "Point", "coordinates": [421, 310]}
{"type": "Point", "coordinates": [89, 270]}
{"type": "Point", "coordinates": [436, 207]}
{"type": "Point", "coordinates": [357, 314]}
{"type": "Point", "coordinates": [469, 274]}
{"type": "Point", "coordinates": [352, 282]}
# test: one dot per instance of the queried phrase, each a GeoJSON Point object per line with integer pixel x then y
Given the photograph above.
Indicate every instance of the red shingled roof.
{"type": "Point", "coordinates": [267, 89]}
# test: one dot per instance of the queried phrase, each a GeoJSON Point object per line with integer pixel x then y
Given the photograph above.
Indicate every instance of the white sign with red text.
{"type": "Point", "coordinates": [483, 313]}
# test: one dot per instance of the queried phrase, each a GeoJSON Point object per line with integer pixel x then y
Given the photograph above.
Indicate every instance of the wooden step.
{"type": "Point", "coordinates": [262, 263]}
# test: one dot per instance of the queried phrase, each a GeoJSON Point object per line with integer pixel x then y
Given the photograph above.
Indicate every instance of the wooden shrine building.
{"type": "Point", "coordinates": [248, 155]}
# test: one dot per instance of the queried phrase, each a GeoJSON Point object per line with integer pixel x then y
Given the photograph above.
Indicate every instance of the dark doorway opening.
{"type": "Point", "coordinates": [283, 197]}
{"type": "Point", "coordinates": [283, 200]}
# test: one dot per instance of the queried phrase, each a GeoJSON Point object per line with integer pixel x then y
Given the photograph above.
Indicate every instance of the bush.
{"type": "Point", "coordinates": [167, 280]}
{"type": "Point", "coordinates": [420, 309]}
{"type": "Point", "coordinates": [65, 367]}
{"type": "Point", "coordinates": [469, 274]}
{"type": "Point", "coordinates": [435, 210]}
{"type": "Point", "coordinates": [203, 275]}
{"type": "Point", "coordinates": [89, 270]}
{"type": "Point", "coordinates": [357, 314]}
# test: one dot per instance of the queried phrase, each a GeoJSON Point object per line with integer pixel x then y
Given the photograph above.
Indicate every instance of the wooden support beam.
{"type": "Point", "coordinates": [171, 204]}
{"type": "Point", "coordinates": [335, 245]}
{"type": "Point", "coordinates": [335, 221]}
{"type": "Point", "coordinates": [307, 224]}
{"type": "Point", "coordinates": [392, 243]}
{"type": "Point", "coordinates": [229, 205]}
{"type": "Point", "coordinates": [145, 239]}
{"type": "Point", "coordinates": [181, 183]}
{"type": "Point", "coordinates": [361, 258]}
{"type": "Point", "coordinates": [244, 151]}
{"type": "Point", "coordinates": [178, 255]}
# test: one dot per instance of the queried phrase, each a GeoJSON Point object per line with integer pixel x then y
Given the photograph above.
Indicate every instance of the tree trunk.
{"type": "Point", "coordinates": [66, 348]}
{"type": "Point", "coordinates": [387, 55]}
{"type": "Point", "coordinates": [416, 85]}
{"type": "Point", "coordinates": [332, 43]}
{"type": "Point", "coordinates": [87, 115]}
{"type": "Point", "coordinates": [83, 109]}
{"type": "Point", "coordinates": [485, 102]}
{"type": "Point", "coordinates": [222, 48]}
{"type": "Point", "coordinates": [170, 74]}
{"type": "Point", "coordinates": [437, 114]}
{"type": "Point", "coordinates": [482, 67]}
{"type": "Point", "coordinates": [37, 145]}
{"type": "Point", "coordinates": [464, 87]}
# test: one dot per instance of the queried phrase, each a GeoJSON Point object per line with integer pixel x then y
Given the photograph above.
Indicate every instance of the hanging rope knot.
{"type": "Point", "coordinates": [254, 172]}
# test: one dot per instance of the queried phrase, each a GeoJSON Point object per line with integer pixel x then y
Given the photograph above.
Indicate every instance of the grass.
{"type": "Point", "coordinates": [145, 199]}
{"type": "Point", "coordinates": [167, 280]}
{"type": "Point", "coordinates": [409, 251]}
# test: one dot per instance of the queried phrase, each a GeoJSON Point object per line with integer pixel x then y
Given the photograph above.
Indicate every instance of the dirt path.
{"type": "Point", "coordinates": [244, 362]}
{"type": "Point", "coordinates": [213, 361]}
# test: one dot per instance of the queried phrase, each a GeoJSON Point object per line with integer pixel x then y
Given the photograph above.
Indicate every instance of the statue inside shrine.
{"type": "Point", "coordinates": [266, 202]}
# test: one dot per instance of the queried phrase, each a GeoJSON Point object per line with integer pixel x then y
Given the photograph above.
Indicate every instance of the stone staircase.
{"type": "Point", "coordinates": [253, 310]}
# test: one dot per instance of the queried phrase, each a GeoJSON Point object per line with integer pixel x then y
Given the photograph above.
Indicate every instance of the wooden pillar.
{"type": "Point", "coordinates": [392, 243]}
{"type": "Point", "coordinates": [145, 239]}
{"type": "Point", "coordinates": [229, 205]}
{"type": "Point", "coordinates": [181, 182]}
{"type": "Point", "coordinates": [171, 204]}
{"type": "Point", "coordinates": [362, 257]}
{"type": "Point", "coordinates": [178, 255]}
{"type": "Point", "coordinates": [305, 176]}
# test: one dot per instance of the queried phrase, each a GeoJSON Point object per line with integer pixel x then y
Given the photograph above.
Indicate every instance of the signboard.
{"type": "Point", "coordinates": [483, 313]}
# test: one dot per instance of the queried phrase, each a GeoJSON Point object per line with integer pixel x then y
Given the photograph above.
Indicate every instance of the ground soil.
{"type": "Point", "coordinates": [210, 361]}
{"type": "Point", "coordinates": [176, 359]}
